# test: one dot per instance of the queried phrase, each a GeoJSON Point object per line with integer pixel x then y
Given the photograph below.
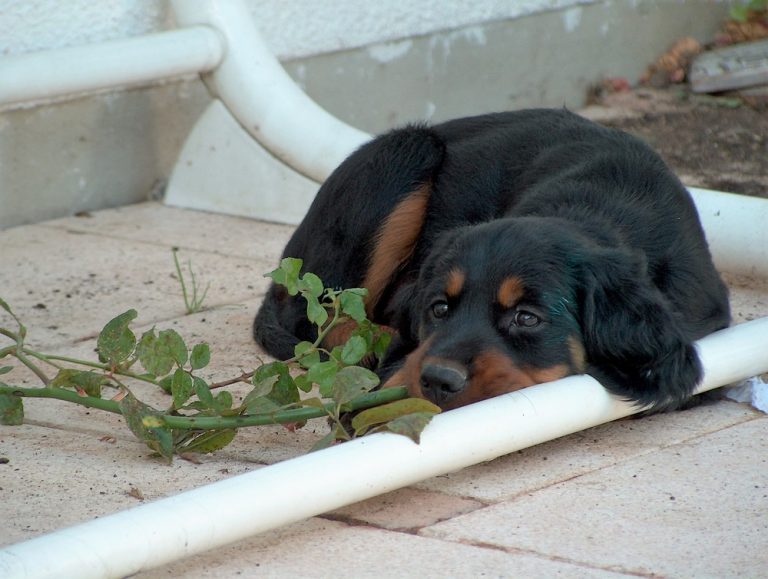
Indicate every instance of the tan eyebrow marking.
{"type": "Point", "coordinates": [456, 279]}
{"type": "Point", "coordinates": [510, 292]}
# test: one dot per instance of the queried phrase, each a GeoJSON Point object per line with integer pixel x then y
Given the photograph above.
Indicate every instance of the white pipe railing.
{"type": "Point", "coordinates": [737, 230]}
{"type": "Point", "coordinates": [222, 38]}
{"type": "Point", "coordinates": [51, 74]}
{"type": "Point", "coordinates": [220, 513]}
{"type": "Point", "coordinates": [264, 99]}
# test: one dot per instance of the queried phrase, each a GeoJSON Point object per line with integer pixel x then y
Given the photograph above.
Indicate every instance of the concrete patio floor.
{"type": "Point", "coordinates": [683, 494]}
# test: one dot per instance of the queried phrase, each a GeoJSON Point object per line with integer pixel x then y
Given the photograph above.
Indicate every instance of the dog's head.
{"type": "Point", "coordinates": [516, 302]}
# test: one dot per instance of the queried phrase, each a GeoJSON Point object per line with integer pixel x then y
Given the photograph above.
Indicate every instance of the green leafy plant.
{"type": "Point", "coordinates": [742, 12]}
{"type": "Point", "coordinates": [193, 299]}
{"type": "Point", "coordinates": [314, 383]}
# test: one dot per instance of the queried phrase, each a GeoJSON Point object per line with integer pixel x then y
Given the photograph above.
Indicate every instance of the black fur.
{"type": "Point", "coordinates": [603, 238]}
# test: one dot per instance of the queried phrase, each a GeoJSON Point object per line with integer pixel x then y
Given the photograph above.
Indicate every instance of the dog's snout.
{"type": "Point", "coordinates": [440, 382]}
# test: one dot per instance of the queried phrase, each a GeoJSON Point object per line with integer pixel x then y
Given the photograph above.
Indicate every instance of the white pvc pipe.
{"type": "Point", "coordinates": [737, 230]}
{"type": "Point", "coordinates": [220, 513]}
{"type": "Point", "coordinates": [264, 99]}
{"type": "Point", "coordinates": [50, 74]}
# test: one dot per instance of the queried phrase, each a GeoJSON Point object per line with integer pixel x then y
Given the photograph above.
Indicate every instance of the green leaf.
{"type": "Point", "coordinates": [201, 356]}
{"type": "Point", "coordinates": [89, 382]}
{"type": "Point", "coordinates": [267, 370]}
{"type": "Point", "coordinates": [174, 344]}
{"type": "Point", "coordinates": [203, 392]}
{"type": "Point", "coordinates": [116, 341]}
{"type": "Point", "coordinates": [311, 284]}
{"type": "Point", "coordinates": [307, 354]}
{"type": "Point", "coordinates": [260, 405]}
{"type": "Point", "coordinates": [151, 356]}
{"type": "Point", "coordinates": [739, 13]}
{"type": "Point", "coordinates": [181, 387]}
{"type": "Point", "coordinates": [22, 328]}
{"type": "Point", "coordinates": [288, 274]}
{"type": "Point", "coordinates": [326, 441]}
{"type": "Point", "coordinates": [264, 387]}
{"type": "Point", "coordinates": [303, 383]}
{"type": "Point", "coordinates": [11, 409]}
{"type": "Point", "coordinates": [377, 415]}
{"type": "Point", "coordinates": [381, 344]}
{"type": "Point", "coordinates": [323, 375]}
{"type": "Point", "coordinates": [284, 392]}
{"type": "Point", "coordinates": [352, 303]}
{"type": "Point", "coordinates": [158, 438]}
{"type": "Point", "coordinates": [165, 384]}
{"type": "Point", "coordinates": [210, 441]}
{"type": "Point", "coordinates": [411, 425]}
{"type": "Point", "coordinates": [352, 382]}
{"type": "Point", "coordinates": [5, 370]}
{"type": "Point", "coordinates": [316, 312]}
{"type": "Point", "coordinates": [354, 350]}
{"type": "Point", "coordinates": [223, 401]}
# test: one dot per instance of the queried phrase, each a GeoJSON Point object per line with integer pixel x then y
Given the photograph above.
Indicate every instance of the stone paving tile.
{"type": "Point", "coordinates": [320, 548]}
{"type": "Point", "coordinates": [55, 478]}
{"type": "Point", "coordinates": [63, 285]}
{"type": "Point", "coordinates": [565, 458]}
{"type": "Point", "coordinates": [749, 298]}
{"type": "Point", "coordinates": [153, 222]}
{"type": "Point", "coordinates": [696, 509]}
{"type": "Point", "coordinates": [406, 509]}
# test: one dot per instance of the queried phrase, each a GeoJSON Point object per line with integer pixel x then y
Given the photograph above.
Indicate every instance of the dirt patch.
{"type": "Point", "coordinates": [714, 143]}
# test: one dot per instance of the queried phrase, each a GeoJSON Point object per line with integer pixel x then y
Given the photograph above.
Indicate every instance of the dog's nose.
{"type": "Point", "coordinates": [440, 383]}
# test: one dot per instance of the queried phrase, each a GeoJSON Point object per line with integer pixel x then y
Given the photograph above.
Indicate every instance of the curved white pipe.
{"type": "Point", "coordinates": [50, 74]}
{"type": "Point", "coordinates": [264, 99]}
{"type": "Point", "coordinates": [737, 230]}
{"type": "Point", "coordinates": [223, 512]}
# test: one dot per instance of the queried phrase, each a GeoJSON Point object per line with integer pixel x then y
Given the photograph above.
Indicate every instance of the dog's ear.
{"type": "Point", "coordinates": [634, 343]}
{"type": "Point", "coordinates": [401, 312]}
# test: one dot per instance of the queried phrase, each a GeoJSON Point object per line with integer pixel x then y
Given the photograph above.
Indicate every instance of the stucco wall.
{"type": "Point", "coordinates": [292, 28]}
{"type": "Point", "coordinates": [373, 63]}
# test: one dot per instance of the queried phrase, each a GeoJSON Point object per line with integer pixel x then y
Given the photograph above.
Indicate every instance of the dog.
{"type": "Point", "coordinates": [511, 249]}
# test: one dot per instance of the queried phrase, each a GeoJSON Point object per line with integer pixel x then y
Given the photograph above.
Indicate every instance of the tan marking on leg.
{"type": "Point", "coordinates": [339, 335]}
{"type": "Point", "coordinates": [456, 280]}
{"type": "Point", "coordinates": [510, 292]}
{"type": "Point", "coordinates": [394, 244]}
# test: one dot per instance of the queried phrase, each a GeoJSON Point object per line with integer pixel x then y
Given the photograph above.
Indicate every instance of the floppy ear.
{"type": "Point", "coordinates": [634, 343]}
{"type": "Point", "coordinates": [401, 313]}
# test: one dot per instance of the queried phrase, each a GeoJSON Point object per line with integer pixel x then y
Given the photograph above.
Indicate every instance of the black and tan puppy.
{"type": "Point", "coordinates": [511, 249]}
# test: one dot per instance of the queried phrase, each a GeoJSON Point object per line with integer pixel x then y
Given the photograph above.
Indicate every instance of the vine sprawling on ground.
{"type": "Point", "coordinates": [315, 383]}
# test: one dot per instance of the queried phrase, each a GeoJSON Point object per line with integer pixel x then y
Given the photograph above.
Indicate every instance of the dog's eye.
{"type": "Point", "coordinates": [439, 309]}
{"type": "Point", "coordinates": [525, 319]}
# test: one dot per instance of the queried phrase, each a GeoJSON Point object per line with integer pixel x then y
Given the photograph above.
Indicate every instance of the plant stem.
{"type": "Point", "coordinates": [246, 376]}
{"type": "Point", "coordinates": [32, 366]}
{"type": "Point", "coordinates": [62, 394]}
{"type": "Point", "coordinates": [181, 280]}
{"type": "Point", "coordinates": [9, 334]}
{"type": "Point", "coordinates": [214, 422]}
{"type": "Point", "coordinates": [48, 357]}
{"type": "Point", "coordinates": [285, 416]}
